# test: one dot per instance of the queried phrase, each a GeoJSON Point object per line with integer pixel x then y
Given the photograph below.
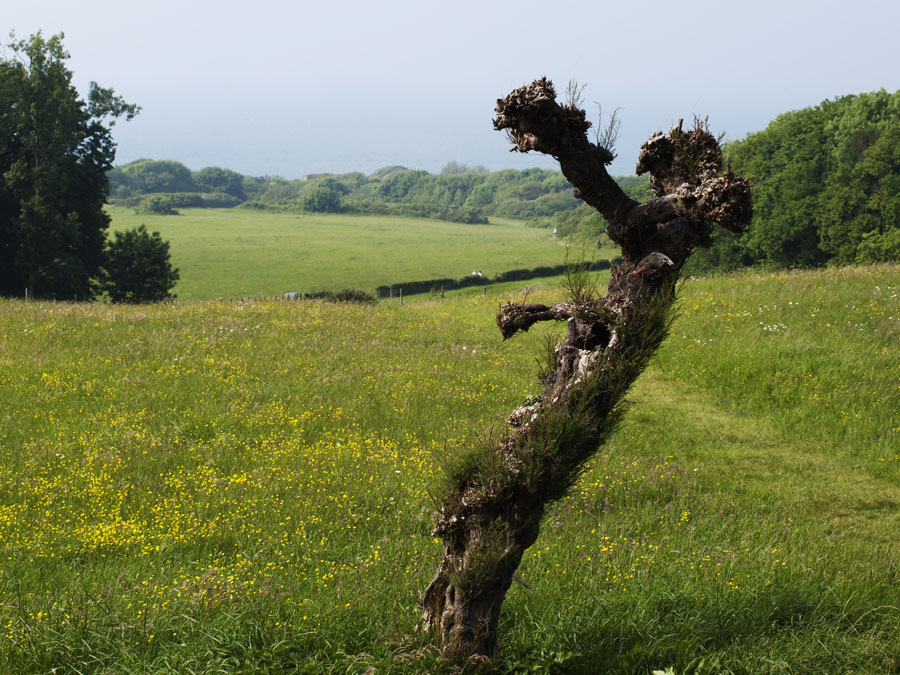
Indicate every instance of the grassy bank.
{"type": "Point", "coordinates": [213, 487]}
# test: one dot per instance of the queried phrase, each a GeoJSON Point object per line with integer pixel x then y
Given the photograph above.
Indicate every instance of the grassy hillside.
{"type": "Point", "coordinates": [235, 253]}
{"type": "Point", "coordinates": [221, 487]}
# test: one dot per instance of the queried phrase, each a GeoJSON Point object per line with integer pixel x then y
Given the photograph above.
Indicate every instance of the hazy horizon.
{"type": "Point", "coordinates": [291, 89]}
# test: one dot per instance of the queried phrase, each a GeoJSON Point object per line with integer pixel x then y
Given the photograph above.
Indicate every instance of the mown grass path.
{"type": "Point", "coordinates": [213, 487]}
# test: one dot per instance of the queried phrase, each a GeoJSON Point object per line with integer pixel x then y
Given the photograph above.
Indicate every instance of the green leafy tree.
{"type": "Point", "coordinates": [320, 199]}
{"type": "Point", "coordinates": [161, 205]}
{"type": "Point", "coordinates": [148, 176]}
{"type": "Point", "coordinates": [827, 186]}
{"type": "Point", "coordinates": [861, 205]}
{"type": "Point", "coordinates": [333, 183]}
{"type": "Point", "coordinates": [138, 267]}
{"type": "Point", "coordinates": [215, 179]}
{"type": "Point", "coordinates": [55, 151]}
{"type": "Point", "coordinates": [787, 162]}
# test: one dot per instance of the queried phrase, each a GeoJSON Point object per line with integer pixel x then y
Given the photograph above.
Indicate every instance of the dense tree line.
{"type": "Point", "coordinates": [459, 193]}
{"type": "Point", "coordinates": [826, 187]}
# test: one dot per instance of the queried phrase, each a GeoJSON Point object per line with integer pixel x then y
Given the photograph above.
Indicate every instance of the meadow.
{"type": "Point", "coordinates": [239, 253]}
{"type": "Point", "coordinates": [245, 486]}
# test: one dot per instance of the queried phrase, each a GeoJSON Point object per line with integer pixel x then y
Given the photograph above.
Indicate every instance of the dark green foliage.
{"type": "Point", "coordinates": [55, 151]}
{"type": "Point", "coordinates": [146, 176]}
{"type": "Point", "coordinates": [252, 186]}
{"type": "Point", "coordinates": [465, 197]}
{"type": "Point", "coordinates": [826, 187]}
{"type": "Point", "coordinates": [334, 184]}
{"type": "Point", "coordinates": [460, 194]}
{"type": "Point", "coordinates": [452, 214]}
{"type": "Point", "coordinates": [879, 247]}
{"type": "Point", "coordinates": [406, 186]}
{"type": "Point", "coordinates": [138, 268]}
{"type": "Point", "coordinates": [352, 295]}
{"type": "Point", "coordinates": [481, 195]}
{"type": "Point", "coordinates": [725, 253]}
{"type": "Point", "coordinates": [435, 285]}
{"type": "Point", "coordinates": [161, 205]}
{"type": "Point", "coordinates": [182, 200]}
{"type": "Point", "coordinates": [215, 179]}
{"type": "Point", "coordinates": [320, 199]}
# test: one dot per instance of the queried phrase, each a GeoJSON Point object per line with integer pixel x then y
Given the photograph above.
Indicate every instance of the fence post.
{"type": "Point", "coordinates": [483, 291]}
{"type": "Point", "coordinates": [442, 292]}
{"type": "Point", "coordinates": [401, 296]}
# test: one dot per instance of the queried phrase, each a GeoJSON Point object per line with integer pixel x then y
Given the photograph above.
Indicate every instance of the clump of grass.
{"type": "Point", "coordinates": [582, 286]}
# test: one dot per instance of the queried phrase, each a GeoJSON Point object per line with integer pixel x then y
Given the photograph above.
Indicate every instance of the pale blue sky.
{"type": "Point", "coordinates": [287, 88]}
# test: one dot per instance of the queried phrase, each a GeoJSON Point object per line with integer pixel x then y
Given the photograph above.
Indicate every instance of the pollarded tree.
{"type": "Point", "coordinates": [55, 151]}
{"type": "Point", "coordinates": [492, 509]}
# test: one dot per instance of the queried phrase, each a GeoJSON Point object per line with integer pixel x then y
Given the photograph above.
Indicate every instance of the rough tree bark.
{"type": "Point", "coordinates": [492, 509]}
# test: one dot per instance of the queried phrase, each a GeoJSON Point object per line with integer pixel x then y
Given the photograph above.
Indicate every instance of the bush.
{"type": "Point", "coordinates": [454, 214]}
{"type": "Point", "coordinates": [216, 179]}
{"type": "Point", "coordinates": [353, 295]}
{"type": "Point", "coordinates": [219, 200]}
{"type": "Point", "coordinates": [138, 268]}
{"type": "Point", "coordinates": [320, 199]}
{"type": "Point", "coordinates": [161, 205]}
{"type": "Point", "coordinates": [167, 204]}
{"type": "Point", "coordinates": [146, 176]}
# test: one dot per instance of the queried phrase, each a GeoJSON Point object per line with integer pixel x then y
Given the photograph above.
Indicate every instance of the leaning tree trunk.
{"type": "Point", "coordinates": [492, 510]}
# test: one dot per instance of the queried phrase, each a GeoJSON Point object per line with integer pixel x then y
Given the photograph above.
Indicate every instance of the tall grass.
{"type": "Point", "coordinates": [221, 487]}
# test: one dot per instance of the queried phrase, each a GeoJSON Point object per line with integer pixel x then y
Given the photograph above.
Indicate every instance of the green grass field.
{"type": "Point", "coordinates": [235, 253]}
{"type": "Point", "coordinates": [244, 486]}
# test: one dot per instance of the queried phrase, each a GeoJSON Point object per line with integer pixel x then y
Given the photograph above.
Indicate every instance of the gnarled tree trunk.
{"type": "Point", "coordinates": [492, 511]}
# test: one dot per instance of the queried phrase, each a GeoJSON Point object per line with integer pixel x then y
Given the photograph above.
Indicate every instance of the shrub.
{"type": "Point", "coordinates": [138, 268]}
{"type": "Point", "coordinates": [161, 205]}
{"type": "Point", "coordinates": [320, 199]}
{"type": "Point", "coordinates": [354, 295]}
